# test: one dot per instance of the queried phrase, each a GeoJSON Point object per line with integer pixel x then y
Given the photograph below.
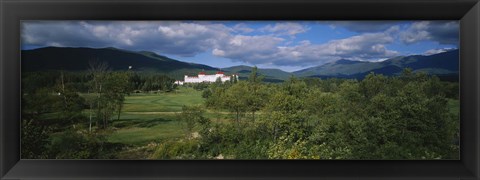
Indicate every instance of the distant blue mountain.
{"type": "Point", "coordinates": [441, 64]}
{"type": "Point", "coordinates": [271, 75]}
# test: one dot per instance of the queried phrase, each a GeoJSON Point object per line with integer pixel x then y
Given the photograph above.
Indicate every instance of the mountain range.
{"type": "Point", "coordinates": [270, 75]}
{"type": "Point", "coordinates": [74, 59]}
{"type": "Point", "coordinates": [77, 59]}
{"type": "Point", "coordinates": [441, 64]}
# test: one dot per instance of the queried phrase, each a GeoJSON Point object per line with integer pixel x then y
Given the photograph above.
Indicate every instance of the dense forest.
{"type": "Point", "coordinates": [67, 115]}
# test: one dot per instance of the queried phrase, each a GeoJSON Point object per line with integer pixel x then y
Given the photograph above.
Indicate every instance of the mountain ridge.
{"type": "Point", "coordinates": [77, 59]}
{"type": "Point", "coordinates": [436, 64]}
{"type": "Point", "coordinates": [269, 73]}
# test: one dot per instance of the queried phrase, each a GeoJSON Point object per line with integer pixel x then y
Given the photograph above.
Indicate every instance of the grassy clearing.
{"type": "Point", "coordinates": [162, 102]}
{"type": "Point", "coordinates": [143, 129]}
{"type": "Point", "coordinates": [148, 118]}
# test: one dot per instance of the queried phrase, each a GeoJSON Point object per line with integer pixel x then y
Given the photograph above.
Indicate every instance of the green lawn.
{"type": "Point", "coordinates": [162, 102]}
{"type": "Point", "coordinates": [148, 117]}
{"type": "Point", "coordinates": [143, 129]}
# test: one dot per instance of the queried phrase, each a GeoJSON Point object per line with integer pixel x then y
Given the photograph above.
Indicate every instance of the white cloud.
{"type": "Point", "coordinates": [436, 51]}
{"type": "Point", "coordinates": [416, 32]}
{"type": "Point", "coordinates": [251, 49]}
{"type": "Point", "coordinates": [362, 26]}
{"type": "Point", "coordinates": [269, 50]}
{"type": "Point", "coordinates": [286, 28]}
{"type": "Point", "coordinates": [444, 32]}
{"type": "Point", "coordinates": [179, 38]}
{"type": "Point", "coordinates": [242, 28]}
{"type": "Point", "coordinates": [218, 52]}
{"type": "Point", "coordinates": [191, 38]}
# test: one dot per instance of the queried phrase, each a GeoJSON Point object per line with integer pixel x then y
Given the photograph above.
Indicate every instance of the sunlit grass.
{"type": "Point", "coordinates": [142, 131]}
{"type": "Point", "coordinates": [148, 117]}
{"type": "Point", "coordinates": [162, 102]}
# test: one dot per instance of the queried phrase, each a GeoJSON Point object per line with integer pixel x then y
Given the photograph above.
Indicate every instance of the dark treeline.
{"type": "Point", "coordinates": [150, 81]}
{"type": "Point", "coordinates": [379, 117]}
{"type": "Point", "coordinates": [80, 81]}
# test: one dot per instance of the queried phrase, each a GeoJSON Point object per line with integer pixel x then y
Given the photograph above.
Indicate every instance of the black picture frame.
{"type": "Point", "coordinates": [13, 11]}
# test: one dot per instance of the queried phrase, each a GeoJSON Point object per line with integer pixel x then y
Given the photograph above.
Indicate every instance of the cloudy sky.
{"type": "Point", "coordinates": [286, 45]}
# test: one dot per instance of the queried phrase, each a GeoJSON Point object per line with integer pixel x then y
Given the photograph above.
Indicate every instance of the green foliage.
{"type": "Point", "coordinates": [452, 90]}
{"type": "Point", "coordinates": [214, 94]}
{"type": "Point", "coordinates": [190, 117]}
{"type": "Point", "coordinates": [286, 148]}
{"type": "Point", "coordinates": [258, 93]}
{"type": "Point", "coordinates": [40, 101]}
{"type": "Point", "coordinates": [80, 145]}
{"type": "Point", "coordinates": [199, 86]}
{"type": "Point", "coordinates": [177, 150]}
{"type": "Point", "coordinates": [404, 117]}
{"type": "Point", "coordinates": [34, 139]}
{"type": "Point", "coordinates": [326, 85]}
{"type": "Point", "coordinates": [70, 104]}
{"type": "Point", "coordinates": [155, 83]}
{"type": "Point", "coordinates": [32, 81]}
{"type": "Point", "coordinates": [227, 141]}
{"type": "Point", "coordinates": [110, 89]}
{"type": "Point", "coordinates": [117, 85]}
{"type": "Point", "coordinates": [286, 110]}
{"type": "Point", "coordinates": [206, 93]}
{"type": "Point", "coordinates": [234, 101]}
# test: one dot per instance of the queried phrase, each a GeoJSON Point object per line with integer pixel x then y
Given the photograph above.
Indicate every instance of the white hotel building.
{"type": "Point", "coordinates": [202, 77]}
